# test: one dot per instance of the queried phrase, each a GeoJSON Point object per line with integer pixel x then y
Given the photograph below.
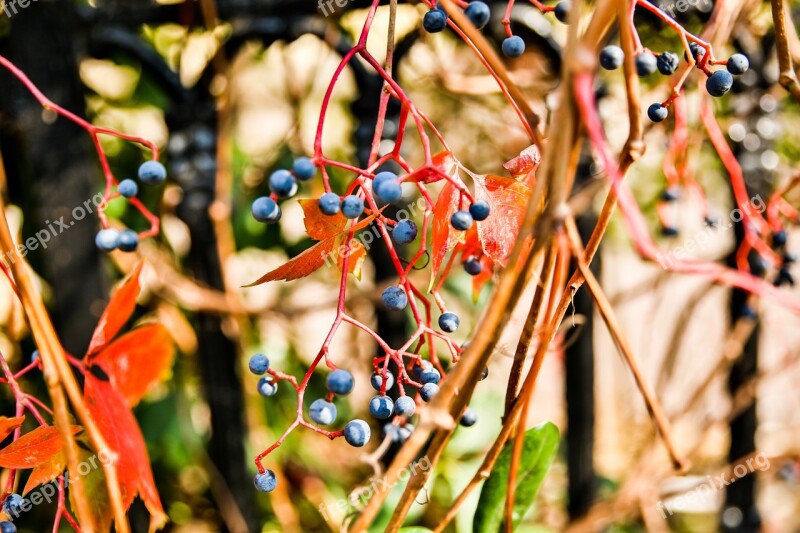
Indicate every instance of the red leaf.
{"type": "Point", "coordinates": [443, 236]}
{"type": "Point", "coordinates": [34, 448]}
{"type": "Point", "coordinates": [508, 199]}
{"type": "Point", "coordinates": [525, 162]}
{"type": "Point", "coordinates": [46, 472]}
{"type": "Point", "coordinates": [320, 226]}
{"type": "Point", "coordinates": [119, 428]}
{"type": "Point", "coordinates": [137, 360]}
{"type": "Point", "coordinates": [117, 312]}
{"type": "Point", "coordinates": [7, 425]}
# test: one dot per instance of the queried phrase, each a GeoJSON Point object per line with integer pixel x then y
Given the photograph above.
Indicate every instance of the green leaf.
{"type": "Point", "coordinates": [539, 449]}
{"type": "Point", "coordinates": [415, 529]}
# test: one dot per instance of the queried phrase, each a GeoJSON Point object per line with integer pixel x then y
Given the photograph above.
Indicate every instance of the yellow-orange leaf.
{"type": "Point", "coordinates": [320, 226]}
{"type": "Point", "coordinates": [34, 448]}
{"type": "Point", "coordinates": [117, 312]}
{"type": "Point", "coordinates": [7, 425]}
{"type": "Point", "coordinates": [356, 253]}
{"type": "Point", "coordinates": [46, 472]}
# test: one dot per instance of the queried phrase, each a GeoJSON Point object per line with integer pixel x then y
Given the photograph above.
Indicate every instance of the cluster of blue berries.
{"type": "Point", "coordinates": [13, 507]}
{"type": "Point", "coordinates": [322, 411]}
{"type": "Point", "coordinates": [479, 15]}
{"type": "Point", "coordinates": [109, 239]}
{"type": "Point", "coordinates": [282, 184]}
{"type": "Point", "coordinates": [718, 83]}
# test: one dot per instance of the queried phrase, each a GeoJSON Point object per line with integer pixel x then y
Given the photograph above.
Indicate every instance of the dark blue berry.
{"type": "Point", "coordinates": [748, 312]}
{"type": "Point", "coordinates": [258, 364]}
{"type": "Point", "coordinates": [376, 380]}
{"type": "Point", "coordinates": [669, 231]}
{"type": "Point", "coordinates": [428, 391]}
{"type": "Point", "coordinates": [611, 57]}
{"type": "Point", "coordinates": [128, 188]}
{"type": "Point", "coordinates": [513, 46]}
{"type": "Point", "coordinates": [667, 63]}
{"type": "Point", "coordinates": [646, 64]}
{"type": "Point", "coordinates": [265, 209]}
{"type": "Point", "coordinates": [35, 355]}
{"type": "Point", "coordinates": [380, 177]}
{"type": "Point", "coordinates": [657, 112]}
{"type": "Point", "coordinates": [719, 83]}
{"type": "Point", "coordinates": [434, 20]}
{"type": "Point", "coordinates": [478, 13]}
{"type": "Point", "coordinates": [381, 407]}
{"type": "Point", "coordinates": [405, 432]}
{"type": "Point", "coordinates": [266, 482]}
{"type": "Point", "coordinates": [395, 298]}
{"type": "Point", "coordinates": [322, 412]}
{"type": "Point", "coordinates": [352, 206]}
{"type": "Point", "coordinates": [128, 240]}
{"type": "Point", "coordinates": [469, 418]}
{"type": "Point", "coordinates": [671, 194]}
{"type": "Point", "coordinates": [329, 203]}
{"type": "Point", "coordinates": [429, 375]}
{"type": "Point", "coordinates": [480, 210]}
{"type": "Point", "coordinates": [404, 232]}
{"type": "Point", "coordinates": [12, 505]}
{"type": "Point", "coordinates": [388, 190]}
{"type": "Point", "coordinates": [473, 266]}
{"type": "Point", "coordinates": [7, 527]}
{"type": "Point", "coordinates": [449, 322]}
{"type": "Point", "coordinates": [738, 64]}
{"type": "Point", "coordinates": [461, 220]}
{"type": "Point", "coordinates": [267, 387]}
{"type": "Point", "coordinates": [697, 52]}
{"type": "Point", "coordinates": [152, 172]}
{"type": "Point", "coordinates": [405, 406]}
{"type": "Point", "coordinates": [282, 183]}
{"type": "Point", "coordinates": [340, 382]}
{"type": "Point", "coordinates": [107, 240]}
{"type": "Point", "coordinates": [785, 277]}
{"type": "Point", "coordinates": [561, 11]}
{"type": "Point", "coordinates": [422, 367]}
{"type": "Point", "coordinates": [391, 431]}
{"type": "Point", "coordinates": [357, 433]}
{"type": "Point", "coordinates": [779, 238]}
{"type": "Point", "coordinates": [304, 169]}
{"type": "Point", "coordinates": [485, 373]}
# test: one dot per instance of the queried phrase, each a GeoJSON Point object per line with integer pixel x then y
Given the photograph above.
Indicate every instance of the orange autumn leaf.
{"type": "Point", "coordinates": [46, 472]}
{"type": "Point", "coordinates": [7, 425]}
{"type": "Point", "coordinates": [356, 253]}
{"type": "Point", "coordinates": [309, 261]}
{"type": "Point", "coordinates": [138, 359]}
{"type": "Point", "coordinates": [508, 200]}
{"type": "Point", "coordinates": [118, 426]}
{"type": "Point", "coordinates": [117, 312]}
{"type": "Point", "coordinates": [320, 226]}
{"type": "Point", "coordinates": [33, 448]}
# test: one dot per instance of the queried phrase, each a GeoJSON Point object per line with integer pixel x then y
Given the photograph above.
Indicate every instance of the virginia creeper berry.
{"type": "Point", "coordinates": [449, 322]}
{"type": "Point", "coordinates": [779, 238]}
{"type": "Point", "coordinates": [671, 194]}
{"type": "Point", "coordinates": [738, 64]}
{"type": "Point", "coordinates": [478, 13]}
{"type": "Point", "coordinates": [473, 266]}
{"type": "Point", "coordinates": [719, 83]}
{"type": "Point", "coordinates": [376, 380]}
{"type": "Point", "coordinates": [128, 188]}
{"type": "Point", "coordinates": [128, 240]}
{"type": "Point", "coordinates": [258, 364]}
{"type": "Point", "coordinates": [12, 504]}
{"type": "Point", "coordinates": [267, 387]}
{"type": "Point", "coordinates": [322, 412]}
{"type": "Point", "coordinates": [469, 418]}
{"type": "Point", "coordinates": [388, 190]}
{"type": "Point", "coordinates": [611, 57]}
{"type": "Point", "coordinates": [404, 232]}
{"type": "Point", "coordinates": [381, 407]}
{"type": "Point", "coordinates": [107, 240]}
{"type": "Point", "coordinates": [667, 63]}
{"type": "Point", "coordinates": [340, 382]}
{"type": "Point", "coordinates": [657, 112]}
{"type": "Point", "coordinates": [646, 64]}
{"type": "Point", "coordinates": [561, 11]}
{"type": "Point", "coordinates": [266, 482]}
{"type": "Point", "coordinates": [357, 433]}
{"type": "Point", "coordinates": [352, 206]}
{"type": "Point", "coordinates": [304, 169]}
{"type": "Point", "coordinates": [405, 406]}
{"type": "Point", "coordinates": [461, 220]}
{"type": "Point", "coordinates": [513, 46]}
{"type": "Point", "coordinates": [329, 203]}
{"type": "Point", "coordinates": [282, 183]}
{"type": "Point", "coordinates": [395, 298]}
{"type": "Point", "coordinates": [265, 209]}
{"type": "Point", "coordinates": [429, 375]}
{"type": "Point", "coordinates": [7, 527]}
{"type": "Point", "coordinates": [479, 210]}
{"type": "Point", "coordinates": [428, 391]}
{"type": "Point", "coordinates": [485, 373]}
{"type": "Point", "coordinates": [434, 20]}
{"type": "Point", "coordinates": [152, 172]}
